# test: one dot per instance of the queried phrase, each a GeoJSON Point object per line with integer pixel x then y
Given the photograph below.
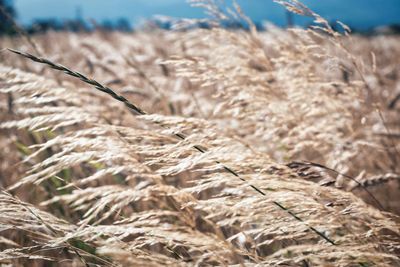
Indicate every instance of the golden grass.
{"type": "Point", "coordinates": [243, 148]}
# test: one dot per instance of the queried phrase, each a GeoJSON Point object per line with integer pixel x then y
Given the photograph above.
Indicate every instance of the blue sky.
{"type": "Point", "coordinates": [357, 13]}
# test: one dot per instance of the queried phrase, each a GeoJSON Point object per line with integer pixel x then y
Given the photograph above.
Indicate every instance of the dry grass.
{"type": "Point", "coordinates": [201, 147]}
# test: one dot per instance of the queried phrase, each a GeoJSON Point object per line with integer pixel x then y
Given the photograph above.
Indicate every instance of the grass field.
{"type": "Point", "coordinates": [200, 147]}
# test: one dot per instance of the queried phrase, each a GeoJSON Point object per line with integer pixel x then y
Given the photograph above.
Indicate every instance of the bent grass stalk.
{"type": "Point", "coordinates": [313, 164]}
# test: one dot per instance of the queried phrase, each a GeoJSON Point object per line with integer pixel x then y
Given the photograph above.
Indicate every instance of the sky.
{"type": "Point", "coordinates": [361, 14]}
